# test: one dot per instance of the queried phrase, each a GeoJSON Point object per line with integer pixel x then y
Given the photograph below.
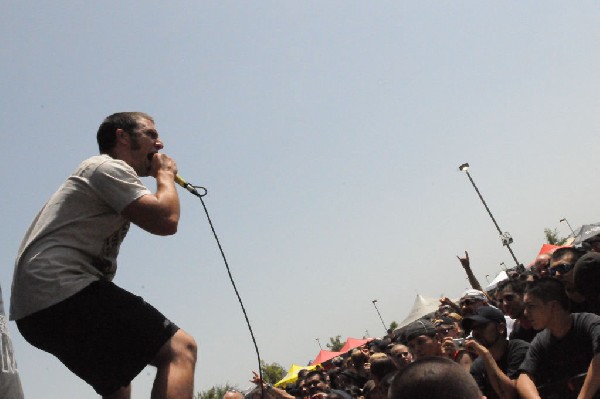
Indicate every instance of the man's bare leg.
{"type": "Point", "coordinates": [175, 364]}
{"type": "Point", "coordinates": [123, 393]}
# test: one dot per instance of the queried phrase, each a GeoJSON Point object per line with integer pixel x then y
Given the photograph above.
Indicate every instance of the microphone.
{"type": "Point", "coordinates": [179, 180]}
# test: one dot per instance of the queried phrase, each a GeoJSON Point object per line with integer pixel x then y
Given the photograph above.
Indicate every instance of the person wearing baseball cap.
{"type": "Point", "coordinates": [496, 369]}
{"type": "Point", "coordinates": [422, 339]}
{"type": "Point", "coordinates": [471, 300]}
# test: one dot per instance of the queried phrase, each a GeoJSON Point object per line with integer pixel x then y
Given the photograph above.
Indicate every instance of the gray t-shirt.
{"type": "Point", "coordinates": [10, 383]}
{"type": "Point", "coordinates": [75, 238]}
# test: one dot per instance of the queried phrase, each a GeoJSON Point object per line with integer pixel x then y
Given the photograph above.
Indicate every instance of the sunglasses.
{"type": "Point", "coordinates": [562, 268]}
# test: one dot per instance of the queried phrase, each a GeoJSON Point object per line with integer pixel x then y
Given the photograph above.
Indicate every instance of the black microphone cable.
{"type": "Point", "coordinates": [194, 190]}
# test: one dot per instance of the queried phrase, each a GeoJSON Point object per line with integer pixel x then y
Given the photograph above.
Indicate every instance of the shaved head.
{"type": "Point", "coordinates": [434, 377]}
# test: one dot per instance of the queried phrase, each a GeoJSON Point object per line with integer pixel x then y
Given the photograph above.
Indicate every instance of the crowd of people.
{"type": "Point", "coordinates": [535, 334]}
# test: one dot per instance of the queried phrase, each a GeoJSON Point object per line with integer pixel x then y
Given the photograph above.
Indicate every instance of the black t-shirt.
{"type": "Point", "coordinates": [581, 307]}
{"type": "Point", "coordinates": [509, 363]}
{"type": "Point", "coordinates": [551, 359]}
{"type": "Point", "coordinates": [524, 334]}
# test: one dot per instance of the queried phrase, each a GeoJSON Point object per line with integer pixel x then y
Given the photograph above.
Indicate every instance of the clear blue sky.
{"type": "Point", "coordinates": [328, 134]}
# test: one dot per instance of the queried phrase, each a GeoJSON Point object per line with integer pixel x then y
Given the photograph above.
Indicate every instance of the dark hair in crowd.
{"type": "Point", "coordinates": [107, 132]}
{"type": "Point", "coordinates": [332, 374]}
{"type": "Point", "coordinates": [320, 372]}
{"type": "Point", "coordinates": [549, 289]}
{"type": "Point", "coordinates": [516, 285]}
{"type": "Point", "coordinates": [358, 357]}
{"type": "Point", "coordinates": [381, 364]}
{"type": "Point", "coordinates": [560, 252]}
{"type": "Point", "coordinates": [434, 377]}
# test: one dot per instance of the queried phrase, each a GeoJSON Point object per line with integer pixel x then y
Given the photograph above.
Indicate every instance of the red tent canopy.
{"type": "Point", "coordinates": [352, 343]}
{"type": "Point", "coordinates": [548, 248]}
{"type": "Point", "coordinates": [324, 356]}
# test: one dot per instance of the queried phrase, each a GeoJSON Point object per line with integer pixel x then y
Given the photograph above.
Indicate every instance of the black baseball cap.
{"type": "Point", "coordinates": [483, 315]}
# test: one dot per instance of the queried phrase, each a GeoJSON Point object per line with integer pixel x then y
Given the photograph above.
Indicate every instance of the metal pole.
{"type": "Point", "coordinates": [568, 224]}
{"type": "Point", "coordinates": [381, 318]}
{"type": "Point", "coordinates": [505, 242]}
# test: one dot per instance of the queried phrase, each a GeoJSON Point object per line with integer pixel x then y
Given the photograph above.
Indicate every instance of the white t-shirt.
{"type": "Point", "coordinates": [75, 238]}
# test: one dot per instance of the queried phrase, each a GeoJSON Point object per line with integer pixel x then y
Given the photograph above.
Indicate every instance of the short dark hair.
{"type": "Point", "coordinates": [586, 276]}
{"type": "Point", "coordinates": [549, 289]}
{"type": "Point", "coordinates": [434, 377]}
{"type": "Point", "coordinates": [320, 372]}
{"type": "Point", "coordinates": [516, 285]}
{"type": "Point", "coordinates": [560, 252]}
{"type": "Point", "coordinates": [107, 132]}
{"type": "Point", "coordinates": [381, 364]}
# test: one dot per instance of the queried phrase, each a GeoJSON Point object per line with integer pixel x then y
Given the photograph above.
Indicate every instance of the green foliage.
{"type": "Point", "coordinates": [272, 372]}
{"type": "Point", "coordinates": [393, 325]}
{"type": "Point", "coordinates": [216, 392]}
{"type": "Point", "coordinates": [335, 343]}
{"type": "Point", "coordinates": [553, 238]}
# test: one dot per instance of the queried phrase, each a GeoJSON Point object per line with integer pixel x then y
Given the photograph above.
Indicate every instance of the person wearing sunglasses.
{"type": "Point", "coordinates": [561, 268]}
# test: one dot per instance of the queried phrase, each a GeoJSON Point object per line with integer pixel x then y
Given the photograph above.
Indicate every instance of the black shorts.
{"type": "Point", "coordinates": [104, 334]}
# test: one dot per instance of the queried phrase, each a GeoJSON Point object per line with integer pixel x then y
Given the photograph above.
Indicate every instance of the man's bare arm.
{"type": "Point", "coordinates": [591, 385]}
{"type": "Point", "coordinates": [526, 387]}
{"type": "Point", "coordinates": [466, 264]}
{"type": "Point", "coordinates": [158, 213]}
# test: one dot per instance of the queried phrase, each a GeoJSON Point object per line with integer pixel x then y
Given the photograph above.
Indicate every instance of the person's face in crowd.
{"type": "Point", "coordinates": [541, 264]}
{"type": "Point", "coordinates": [511, 303]}
{"type": "Point", "coordinates": [468, 306]}
{"type": "Point", "coordinates": [401, 356]}
{"type": "Point", "coordinates": [365, 350]}
{"type": "Point", "coordinates": [424, 345]}
{"type": "Point", "coordinates": [373, 349]}
{"type": "Point", "coordinates": [314, 384]}
{"type": "Point", "coordinates": [447, 330]}
{"type": "Point", "coordinates": [530, 277]}
{"type": "Point", "coordinates": [487, 334]}
{"type": "Point", "coordinates": [537, 312]}
{"type": "Point", "coordinates": [302, 388]}
{"type": "Point", "coordinates": [444, 310]}
{"type": "Point", "coordinates": [562, 269]}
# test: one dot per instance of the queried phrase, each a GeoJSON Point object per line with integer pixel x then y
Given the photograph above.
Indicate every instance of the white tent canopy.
{"type": "Point", "coordinates": [420, 308]}
{"type": "Point", "coordinates": [500, 277]}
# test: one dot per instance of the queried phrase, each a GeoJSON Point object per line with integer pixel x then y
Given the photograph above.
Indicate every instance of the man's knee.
{"type": "Point", "coordinates": [180, 348]}
{"type": "Point", "coordinates": [186, 345]}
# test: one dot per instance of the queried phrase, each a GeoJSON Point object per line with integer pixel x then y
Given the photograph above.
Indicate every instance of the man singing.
{"type": "Point", "coordinates": [63, 298]}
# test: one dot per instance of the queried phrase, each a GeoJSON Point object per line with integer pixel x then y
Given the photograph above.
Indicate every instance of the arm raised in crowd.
{"type": "Point", "coordinates": [466, 264]}
{"type": "Point", "coordinates": [270, 391]}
